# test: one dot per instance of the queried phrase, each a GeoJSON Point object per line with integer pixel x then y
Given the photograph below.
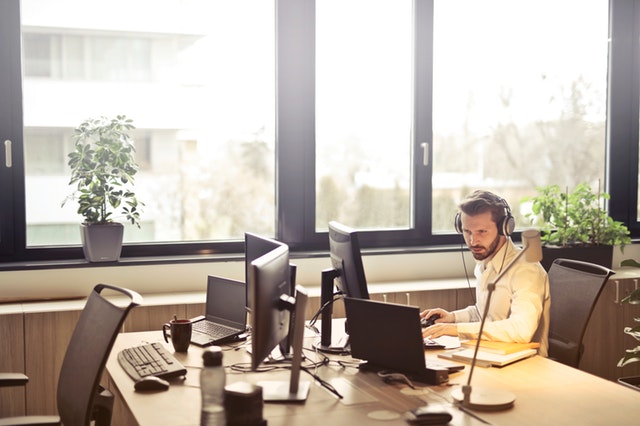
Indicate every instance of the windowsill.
{"type": "Point", "coordinates": [199, 258]}
{"type": "Point", "coordinates": [387, 271]}
{"type": "Point", "coordinates": [130, 261]}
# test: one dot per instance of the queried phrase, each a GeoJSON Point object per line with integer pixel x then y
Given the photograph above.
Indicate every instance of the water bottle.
{"type": "Point", "coordinates": [212, 382]}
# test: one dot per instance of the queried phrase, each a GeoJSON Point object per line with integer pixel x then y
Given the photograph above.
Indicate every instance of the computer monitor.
{"type": "Point", "coordinates": [347, 275]}
{"type": "Point", "coordinates": [272, 308]}
{"type": "Point", "coordinates": [256, 246]}
{"type": "Point", "coordinates": [344, 250]}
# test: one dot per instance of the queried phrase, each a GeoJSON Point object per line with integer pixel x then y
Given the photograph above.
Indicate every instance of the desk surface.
{"type": "Point", "coordinates": [546, 393]}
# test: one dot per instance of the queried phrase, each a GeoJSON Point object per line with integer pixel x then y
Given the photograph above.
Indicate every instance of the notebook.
{"type": "Point", "coordinates": [388, 336]}
{"type": "Point", "coordinates": [225, 317]}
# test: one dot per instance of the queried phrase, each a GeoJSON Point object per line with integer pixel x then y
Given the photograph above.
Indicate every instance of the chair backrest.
{"type": "Point", "coordinates": [97, 328]}
{"type": "Point", "coordinates": [574, 288]}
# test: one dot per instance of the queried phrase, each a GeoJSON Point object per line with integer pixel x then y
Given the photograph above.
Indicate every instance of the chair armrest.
{"type": "Point", "coordinates": [13, 379]}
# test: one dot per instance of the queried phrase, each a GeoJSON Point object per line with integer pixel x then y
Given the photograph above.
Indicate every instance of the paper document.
{"type": "Point", "coordinates": [449, 342]}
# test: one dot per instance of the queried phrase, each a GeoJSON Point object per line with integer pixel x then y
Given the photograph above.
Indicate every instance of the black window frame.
{"type": "Point", "coordinates": [623, 109]}
{"type": "Point", "coordinates": [295, 151]}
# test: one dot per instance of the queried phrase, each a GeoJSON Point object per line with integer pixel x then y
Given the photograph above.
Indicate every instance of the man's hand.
{"type": "Point", "coordinates": [445, 316]}
{"type": "Point", "coordinates": [443, 326]}
{"type": "Point", "coordinates": [442, 329]}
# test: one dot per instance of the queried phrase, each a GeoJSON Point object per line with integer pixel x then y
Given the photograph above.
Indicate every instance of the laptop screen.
{"type": "Point", "coordinates": [226, 301]}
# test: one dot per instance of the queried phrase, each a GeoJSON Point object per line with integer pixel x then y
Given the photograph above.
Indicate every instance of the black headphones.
{"type": "Point", "coordinates": [506, 225]}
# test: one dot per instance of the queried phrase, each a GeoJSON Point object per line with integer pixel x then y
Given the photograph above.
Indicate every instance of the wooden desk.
{"type": "Point", "coordinates": [547, 393]}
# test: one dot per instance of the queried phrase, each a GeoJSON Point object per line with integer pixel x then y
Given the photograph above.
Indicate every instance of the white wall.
{"type": "Point", "coordinates": [186, 277]}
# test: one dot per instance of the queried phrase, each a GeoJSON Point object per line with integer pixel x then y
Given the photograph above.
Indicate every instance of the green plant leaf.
{"type": "Point", "coordinates": [102, 169]}
{"type": "Point", "coordinates": [631, 356]}
{"type": "Point", "coordinates": [632, 298]}
{"type": "Point", "coordinates": [633, 332]}
{"type": "Point", "coordinates": [575, 218]}
{"type": "Point", "coordinates": [630, 262]}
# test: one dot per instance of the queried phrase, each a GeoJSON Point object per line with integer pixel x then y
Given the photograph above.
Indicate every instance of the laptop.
{"type": "Point", "coordinates": [225, 319]}
{"type": "Point", "coordinates": [388, 336]}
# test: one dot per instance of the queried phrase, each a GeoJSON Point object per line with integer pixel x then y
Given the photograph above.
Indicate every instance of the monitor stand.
{"type": "Point", "coordinates": [294, 390]}
{"type": "Point", "coordinates": [285, 345]}
{"type": "Point", "coordinates": [326, 303]}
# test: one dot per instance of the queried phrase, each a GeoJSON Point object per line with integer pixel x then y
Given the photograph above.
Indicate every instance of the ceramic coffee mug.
{"type": "Point", "coordinates": [180, 333]}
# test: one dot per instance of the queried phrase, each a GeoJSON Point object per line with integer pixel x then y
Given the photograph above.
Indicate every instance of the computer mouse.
{"type": "Point", "coordinates": [427, 415]}
{"type": "Point", "coordinates": [428, 322]}
{"type": "Point", "coordinates": [151, 383]}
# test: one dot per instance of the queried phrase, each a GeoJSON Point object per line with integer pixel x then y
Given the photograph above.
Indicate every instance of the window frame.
{"type": "Point", "coordinates": [623, 108]}
{"type": "Point", "coordinates": [295, 151]}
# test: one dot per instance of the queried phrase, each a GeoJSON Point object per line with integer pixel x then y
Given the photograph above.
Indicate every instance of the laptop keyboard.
{"type": "Point", "coordinates": [216, 331]}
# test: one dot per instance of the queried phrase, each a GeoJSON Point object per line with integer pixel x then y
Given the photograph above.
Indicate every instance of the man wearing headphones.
{"type": "Point", "coordinates": [519, 308]}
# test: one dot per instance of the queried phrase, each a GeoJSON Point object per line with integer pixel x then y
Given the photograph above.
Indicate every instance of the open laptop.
{"type": "Point", "coordinates": [389, 337]}
{"type": "Point", "coordinates": [225, 318]}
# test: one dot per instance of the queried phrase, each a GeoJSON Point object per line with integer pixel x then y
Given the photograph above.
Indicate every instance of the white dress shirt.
{"type": "Point", "coordinates": [519, 308]}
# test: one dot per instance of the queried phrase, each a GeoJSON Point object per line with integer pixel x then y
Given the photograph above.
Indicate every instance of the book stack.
{"type": "Point", "coordinates": [490, 353]}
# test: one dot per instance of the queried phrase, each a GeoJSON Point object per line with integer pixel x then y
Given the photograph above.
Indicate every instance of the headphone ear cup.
{"type": "Point", "coordinates": [509, 225]}
{"type": "Point", "coordinates": [457, 223]}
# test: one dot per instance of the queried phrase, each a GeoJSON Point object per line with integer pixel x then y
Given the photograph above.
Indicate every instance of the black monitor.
{"type": "Point", "coordinates": [256, 246]}
{"type": "Point", "coordinates": [344, 250]}
{"type": "Point", "coordinates": [346, 274]}
{"type": "Point", "coordinates": [272, 308]}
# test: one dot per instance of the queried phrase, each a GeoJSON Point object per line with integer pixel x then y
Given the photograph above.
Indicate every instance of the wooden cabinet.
{"type": "Point", "coordinates": [47, 335]}
{"type": "Point", "coordinates": [449, 299]}
{"type": "Point", "coordinates": [605, 341]}
{"type": "Point", "coordinates": [12, 400]}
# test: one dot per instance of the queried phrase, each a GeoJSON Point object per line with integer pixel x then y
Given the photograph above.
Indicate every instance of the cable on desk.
{"type": "Point", "coordinates": [344, 364]}
{"type": "Point", "coordinates": [336, 296]}
{"type": "Point", "coordinates": [328, 386]}
{"type": "Point", "coordinates": [277, 364]}
{"type": "Point", "coordinates": [245, 367]}
{"type": "Point", "coordinates": [389, 376]}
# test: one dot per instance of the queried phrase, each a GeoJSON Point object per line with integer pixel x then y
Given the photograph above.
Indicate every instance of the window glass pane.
{"type": "Point", "coordinates": [41, 48]}
{"type": "Point", "coordinates": [363, 119]}
{"type": "Point", "coordinates": [74, 61]}
{"type": "Point", "coordinates": [519, 98]}
{"type": "Point", "coordinates": [197, 79]}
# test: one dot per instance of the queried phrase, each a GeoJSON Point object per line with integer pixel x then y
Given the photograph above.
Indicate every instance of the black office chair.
{"type": "Point", "coordinates": [80, 398]}
{"type": "Point", "coordinates": [574, 287]}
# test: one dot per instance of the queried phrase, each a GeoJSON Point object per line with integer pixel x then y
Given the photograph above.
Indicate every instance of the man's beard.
{"type": "Point", "coordinates": [490, 251]}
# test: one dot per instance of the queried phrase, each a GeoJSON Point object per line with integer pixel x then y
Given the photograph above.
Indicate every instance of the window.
{"type": "Point", "coordinates": [363, 113]}
{"type": "Point", "coordinates": [200, 89]}
{"type": "Point", "coordinates": [516, 107]}
{"type": "Point", "coordinates": [330, 119]}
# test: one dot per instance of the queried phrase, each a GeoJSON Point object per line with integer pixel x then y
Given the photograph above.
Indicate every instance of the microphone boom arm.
{"type": "Point", "coordinates": [466, 389]}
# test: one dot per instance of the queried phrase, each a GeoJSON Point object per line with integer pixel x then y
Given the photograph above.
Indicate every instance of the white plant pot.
{"type": "Point", "coordinates": [102, 243]}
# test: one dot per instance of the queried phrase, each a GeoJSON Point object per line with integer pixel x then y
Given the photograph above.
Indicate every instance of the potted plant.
{"type": "Point", "coordinates": [632, 355]}
{"type": "Point", "coordinates": [103, 167]}
{"type": "Point", "coordinates": [576, 225]}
